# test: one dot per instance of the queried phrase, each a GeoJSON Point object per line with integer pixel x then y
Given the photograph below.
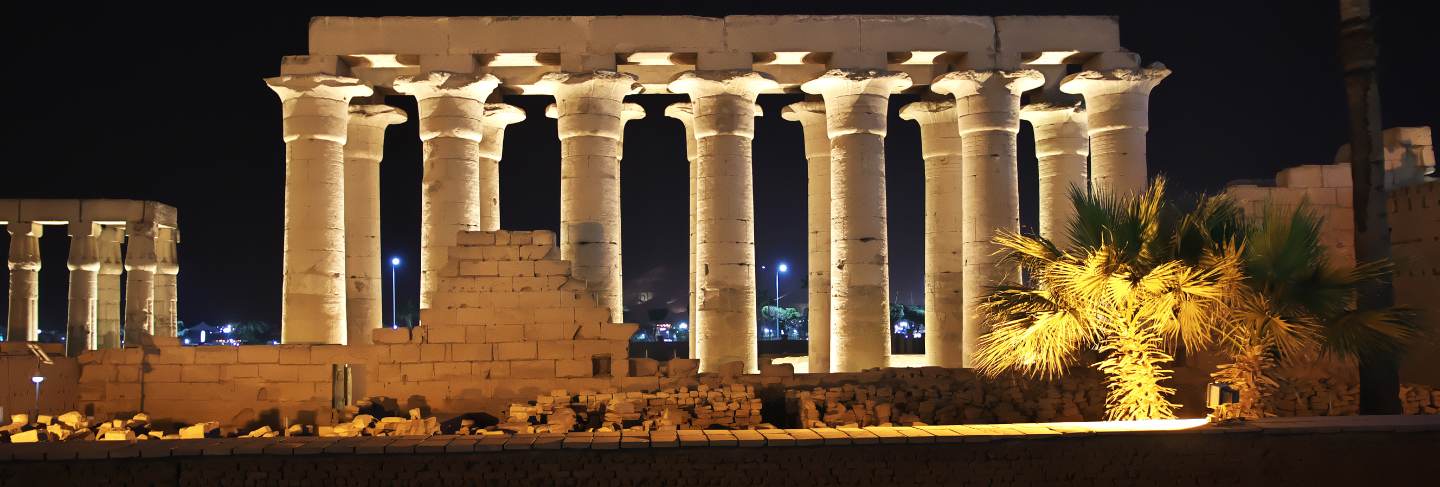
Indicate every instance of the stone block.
{"type": "Point", "coordinates": [544, 331]}
{"type": "Point", "coordinates": [314, 373]}
{"type": "Point", "coordinates": [480, 268]}
{"type": "Point", "coordinates": [506, 253]}
{"type": "Point", "coordinates": [504, 333]}
{"type": "Point", "coordinates": [470, 352]}
{"type": "Point", "coordinates": [532, 369]}
{"type": "Point", "coordinates": [590, 348]}
{"type": "Point", "coordinates": [475, 238]}
{"type": "Point", "coordinates": [239, 371]}
{"type": "Point", "coordinates": [538, 299]}
{"type": "Point", "coordinates": [418, 371]}
{"type": "Point", "coordinates": [777, 370]}
{"type": "Point", "coordinates": [171, 373]}
{"type": "Point", "coordinates": [531, 253]}
{"type": "Point", "coordinates": [279, 373]}
{"type": "Point", "coordinates": [97, 373]}
{"type": "Point", "coordinates": [644, 367]}
{"type": "Point", "coordinates": [556, 349]}
{"type": "Point", "coordinates": [552, 268]}
{"type": "Point", "coordinates": [407, 352]}
{"type": "Point", "coordinates": [1309, 176]}
{"type": "Point", "coordinates": [542, 237]}
{"type": "Point", "coordinates": [216, 355]}
{"type": "Point", "coordinates": [1335, 176]}
{"type": "Point", "coordinates": [176, 355]}
{"type": "Point", "coordinates": [255, 354]}
{"type": "Point", "coordinates": [513, 315]}
{"type": "Point", "coordinates": [618, 331]}
{"type": "Point", "coordinates": [294, 354]}
{"type": "Point", "coordinates": [517, 268]}
{"type": "Point", "coordinates": [452, 369]}
{"type": "Point", "coordinates": [200, 373]}
{"type": "Point", "coordinates": [525, 284]}
{"type": "Point", "coordinates": [516, 351]}
{"type": "Point", "coordinates": [475, 316]}
{"type": "Point", "coordinates": [446, 334]}
{"type": "Point", "coordinates": [475, 333]}
{"type": "Point", "coordinates": [573, 368]}
{"type": "Point", "coordinates": [682, 367]}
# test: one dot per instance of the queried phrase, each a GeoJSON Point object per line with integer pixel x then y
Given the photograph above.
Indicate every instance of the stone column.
{"type": "Point", "coordinates": [24, 264]}
{"type": "Point", "coordinates": [684, 112]}
{"type": "Point", "coordinates": [140, 265]}
{"type": "Point", "coordinates": [497, 117]}
{"type": "Point", "coordinates": [723, 105]}
{"type": "Point", "coordinates": [1118, 105]}
{"type": "Point", "coordinates": [167, 271]}
{"type": "Point", "coordinates": [107, 307]}
{"type": "Point", "coordinates": [811, 115]}
{"type": "Point", "coordinates": [988, 105]}
{"type": "Point", "coordinates": [364, 148]}
{"type": "Point", "coordinates": [1061, 146]}
{"type": "Point", "coordinates": [452, 110]}
{"type": "Point", "coordinates": [316, 111]}
{"type": "Point", "coordinates": [84, 265]}
{"type": "Point", "coordinates": [589, 113]}
{"type": "Point", "coordinates": [631, 111]}
{"type": "Point", "coordinates": [944, 245]}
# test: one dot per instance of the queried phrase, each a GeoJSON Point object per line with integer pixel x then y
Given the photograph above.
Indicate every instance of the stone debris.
{"type": "Point", "coordinates": [727, 406]}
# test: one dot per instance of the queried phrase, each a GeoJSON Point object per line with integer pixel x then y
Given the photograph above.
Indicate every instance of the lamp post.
{"type": "Point", "coordinates": [394, 309]}
{"type": "Point", "coordinates": [779, 269]}
{"type": "Point", "coordinates": [37, 379]}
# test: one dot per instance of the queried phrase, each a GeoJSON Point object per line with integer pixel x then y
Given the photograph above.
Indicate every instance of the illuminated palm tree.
{"type": "Point", "coordinates": [1122, 287]}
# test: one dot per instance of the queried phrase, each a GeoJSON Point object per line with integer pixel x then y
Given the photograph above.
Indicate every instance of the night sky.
{"type": "Point", "coordinates": [128, 104]}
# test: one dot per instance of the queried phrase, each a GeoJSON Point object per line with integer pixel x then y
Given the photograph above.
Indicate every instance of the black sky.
{"type": "Point", "coordinates": [135, 104]}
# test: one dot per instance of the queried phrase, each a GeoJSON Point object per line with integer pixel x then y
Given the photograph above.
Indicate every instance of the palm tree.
{"type": "Point", "coordinates": [1295, 306]}
{"type": "Point", "coordinates": [1122, 288]}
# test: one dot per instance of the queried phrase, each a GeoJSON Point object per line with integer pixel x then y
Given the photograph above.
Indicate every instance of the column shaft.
{"type": "Point", "coordinates": [589, 110]}
{"type": "Point", "coordinates": [364, 289]}
{"type": "Point", "coordinates": [988, 104]}
{"type": "Point", "coordinates": [1061, 147]}
{"type": "Point", "coordinates": [167, 285]}
{"type": "Point", "coordinates": [316, 112]}
{"type": "Point", "coordinates": [1118, 106]}
{"type": "Point", "coordinates": [84, 266]}
{"type": "Point", "coordinates": [24, 263]}
{"type": "Point", "coordinates": [856, 108]}
{"type": "Point", "coordinates": [723, 105]}
{"type": "Point", "coordinates": [944, 240]}
{"type": "Point", "coordinates": [811, 116]}
{"type": "Point", "coordinates": [684, 112]}
{"type": "Point", "coordinates": [140, 265]}
{"type": "Point", "coordinates": [107, 307]}
{"type": "Point", "coordinates": [492, 144]}
{"type": "Point", "coordinates": [452, 109]}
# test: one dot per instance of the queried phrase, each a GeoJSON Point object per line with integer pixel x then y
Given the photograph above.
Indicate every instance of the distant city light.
{"type": "Point", "coordinates": [228, 329]}
{"type": "Point", "coordinates": [187, 341]}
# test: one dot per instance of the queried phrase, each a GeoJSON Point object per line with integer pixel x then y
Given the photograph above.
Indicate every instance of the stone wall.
{"type": "Point", "coordinates": [1415, 248]}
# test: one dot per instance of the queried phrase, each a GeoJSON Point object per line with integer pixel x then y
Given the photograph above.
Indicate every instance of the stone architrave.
{"type": "Point", "coordinates": [84, 265]}
{"type": "Point", "coordinates": [167, 285]}
{"type": "Point", "coordinates": [988, 105]}
{"type": "Point", "coordinates": [107, 307]}
{"type": "Point", "coordinates": [1061, 147]}
{"type": "Point", "coordinates": [811, 115]}
{"type": "Point", "coordinates": [452, 111]}
{"type": "Point", "coordinates": [364, 148]}
{"type": "Point", "coordinates": [724, 110]}
{"type": "Point", "coordinates": [316, 115]}
{"type": "Point", "coordinates": [856, 109]}
{"type": "Point", "coordinates": [590, 122]}
{"type": "Point", "coordinates": [492, 145]}
{"type": "Point", "coordinates": [23, 323]}
{"type": "Point", "coordinates": [685, 114]}
{"type": "Point", "coordinates": [1117, 103]}
{"type": "Point", "coordinates": [140, 265]}
{"type": "Point", "coordinates": [944, 243]}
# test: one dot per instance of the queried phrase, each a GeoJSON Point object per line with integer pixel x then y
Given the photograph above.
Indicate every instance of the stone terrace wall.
{"type": "Point", "coordinates": [1415, 248]}
{"type": "Point", "coordinates": [508, 324]}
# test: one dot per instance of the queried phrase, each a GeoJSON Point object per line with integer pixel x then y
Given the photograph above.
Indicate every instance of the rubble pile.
{"type": "Point", "coordinates": [726, 406]}
{"type": "Point", "coordinates": [932, 395]}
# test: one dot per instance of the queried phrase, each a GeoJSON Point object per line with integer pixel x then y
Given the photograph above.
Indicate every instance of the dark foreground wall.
{"type": "Point", "coordinates": [1304, 456]}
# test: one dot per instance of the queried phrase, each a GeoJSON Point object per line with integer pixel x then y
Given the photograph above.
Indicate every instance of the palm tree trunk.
{"type": "Point", "coordinates": [1379, 375]}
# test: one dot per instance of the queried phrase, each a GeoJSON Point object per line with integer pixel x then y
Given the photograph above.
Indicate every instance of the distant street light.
{"type": "Point", "coordinates": [394, 310]}
{"type": "Point", "coordinates": [779, 269]}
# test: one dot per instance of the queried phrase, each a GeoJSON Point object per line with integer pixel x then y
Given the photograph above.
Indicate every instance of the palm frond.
{"type": "Point", "coordinates": [1360, 333]}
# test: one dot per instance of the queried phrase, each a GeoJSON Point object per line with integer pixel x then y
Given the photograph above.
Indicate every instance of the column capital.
{"type": "Point", "coordinates": [447, 84]}
{"type": "Point", "coordinates": [599, 83]}
{"type": "Point", "coordinates": [811, 115]}
{"type": "Point", "coordinates": [24, 245]}
{"type": "Point", "coordinates": [929, 112]}
{"type": "Point", "coordinates": [111, 261]}
{"type": "Point", "coordinates": [84, 249]}
{"type": "Point", "coordinates": [961, 84]}
{"type": "Point", "coordinates": [743, 83]}
{"type": "Point", "coordinates": [839, 82]}
{"type": "Point", "coordinates": [685, 112]}
{"type": "Point", "coordinates": [165, 259]}
{"type": "Point", "coordinates": [1115, 81]}
{"type": "Point", "coordinates": [343, 88]}
{"type": "Point", "coordinates": [1041, 114]}
{"type": "Point", "coordinates": [501, 115]}
{"type": "Point", "coordinates": [377, 115]}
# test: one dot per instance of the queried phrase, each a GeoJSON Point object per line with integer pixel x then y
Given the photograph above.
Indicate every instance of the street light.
{"type": "Point", "coordinates": [394, 310]}
{"type": "Point", "coordinates": [779, 269]}
{"type": "Point", "coordinates": [37, 380]}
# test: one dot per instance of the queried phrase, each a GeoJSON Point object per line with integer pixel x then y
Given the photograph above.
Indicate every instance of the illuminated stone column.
{"type": "Point", "coordinates": [944, 245]}
{"type": "Point", "coordinates": [1061, 147]}
{"type": "Point", "coordinates": [723, 105]}
{"type": "Point", "coordinates": [685, 114]}
{"type": "Point", "coordinates": [107, 307]}
{"type": "Point", "coordinates": [316, 110]}
{"type": "Point", "coordinates": [811, 115]}
{"type": "Point", "coordinates": [492, 144]}
{"type": "Point", "coordinates": [364, 148]}
{"type": "Point", "coordinates": [140, 265]}
{"type": "Point", "coordinates": [84, 265]}
{"type": "Point", "coordinates": [452, 111]}
{"type": "Point", "coordinates": [856, 107]}
{"type": "Point", "coordinates": [24, 264]}
{"type": "Point", "coordinates": [589, 113]}
{"type": "Point", "coordinates": [167, 284]}
{"type": "Point", "coordinates": [1117, 102]}
{"type": "Point", "coordinates": [988, 105]}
